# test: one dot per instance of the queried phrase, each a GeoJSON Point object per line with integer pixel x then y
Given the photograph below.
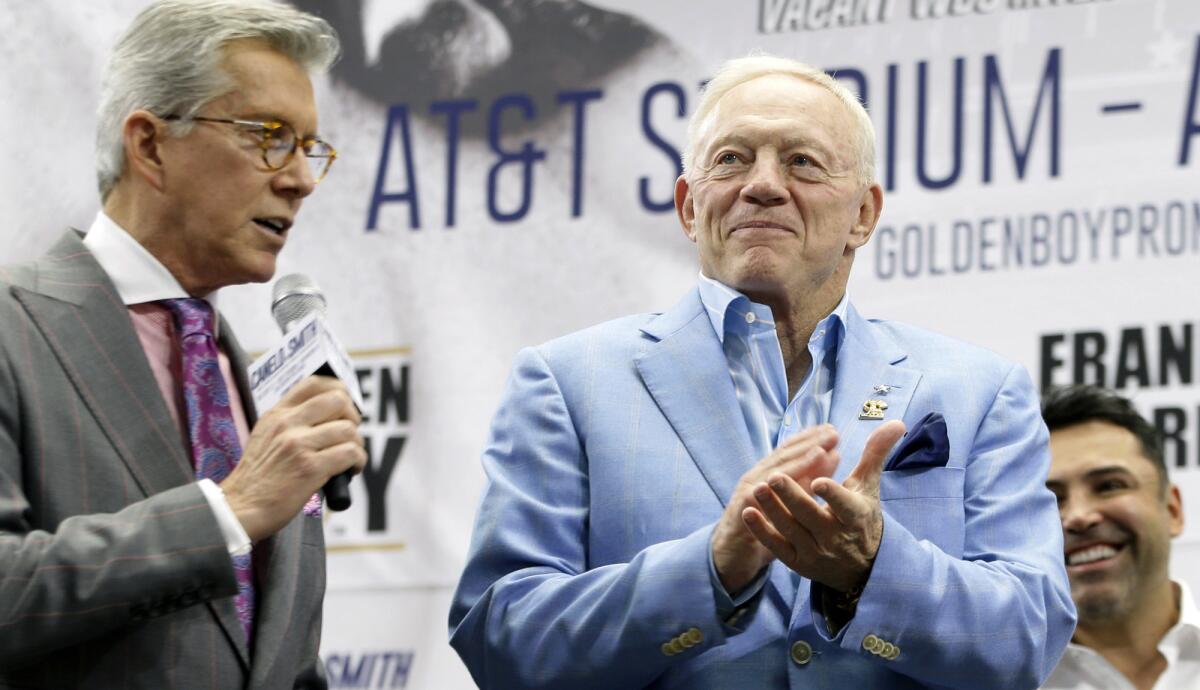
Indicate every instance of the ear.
{"type": "Point", "coordinates": [869, 209]}
{"type": "Point", "coordinates": [685, 208]}
{"type": "Point", "coordinates": [143, 134]}
{"type": "Point", "coordinates": [1175, 510]}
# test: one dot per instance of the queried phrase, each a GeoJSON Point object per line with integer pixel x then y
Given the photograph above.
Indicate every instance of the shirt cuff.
{"type": "Point", "coordinates": [731, 608]}
{"type": "Point", "coordinates": [235, 535]}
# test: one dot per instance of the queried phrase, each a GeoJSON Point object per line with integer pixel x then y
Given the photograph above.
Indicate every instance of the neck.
{"type": "Point", "coordinates": [795, 321]}
{"type": "Point", "coordinates": [1130, 643]}
{"type": "Point", "coordinates": [123, 206]}
{"type": "Point", "coordinates": [144, 224]}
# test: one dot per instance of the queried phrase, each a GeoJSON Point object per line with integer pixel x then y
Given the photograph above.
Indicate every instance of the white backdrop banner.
{"type": "Point", "coordinates": [505, 176]}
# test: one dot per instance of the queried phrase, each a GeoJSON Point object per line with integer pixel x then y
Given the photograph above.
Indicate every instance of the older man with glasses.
{"type": "Point", "coordinates": [153, 532]}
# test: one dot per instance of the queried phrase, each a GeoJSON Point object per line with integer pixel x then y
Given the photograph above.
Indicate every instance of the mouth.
{"type": "Point", "coordinates": [1093, 555]}
{"type": "Point", "coordinates": [757, 226]}
{"type": "Point", "coordinates": [274, 225]}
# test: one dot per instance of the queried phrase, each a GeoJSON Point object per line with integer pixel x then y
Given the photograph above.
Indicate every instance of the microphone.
{"type": "Point", "coordinates": [294, 297]}
{"type": "Point", "coordinates": [308, 347]}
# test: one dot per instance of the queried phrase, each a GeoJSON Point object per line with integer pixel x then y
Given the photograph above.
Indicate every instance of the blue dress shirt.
{"type": "Point", "coordinates": [747, 333]}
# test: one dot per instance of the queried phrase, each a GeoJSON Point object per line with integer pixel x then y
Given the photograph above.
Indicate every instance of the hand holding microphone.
{"type": "Point", "coordinates": [294, 300]}
{"type": "Point", "coordinates": [307, 434]}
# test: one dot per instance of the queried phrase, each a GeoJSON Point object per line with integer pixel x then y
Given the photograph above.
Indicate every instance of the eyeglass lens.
{"type": "Point", "coordinates": [279, 143]}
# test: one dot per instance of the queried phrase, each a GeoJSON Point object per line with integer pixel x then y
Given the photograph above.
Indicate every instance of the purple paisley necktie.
{"type": "Point", "coordinates": [215, 446]}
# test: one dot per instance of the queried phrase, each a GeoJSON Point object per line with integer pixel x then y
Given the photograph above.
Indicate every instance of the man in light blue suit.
{"type": "Point", "coordinates": [713, 497]}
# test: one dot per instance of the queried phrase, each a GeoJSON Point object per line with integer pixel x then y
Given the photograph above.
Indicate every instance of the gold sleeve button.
{"type": "Point", "coordinates": [694, 635]}
{"type": "Point", "coordinates": [666, 649]}
{"type": "Point", "coordinates": [801, 652]}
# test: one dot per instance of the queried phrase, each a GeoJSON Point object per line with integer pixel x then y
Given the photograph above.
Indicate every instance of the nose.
{"type": "Point", "coordinates": [1078, 515]}
{"type": "Point", "coordinates": [765, 184]}
{"type": "Point", "coordinates": [296, 178]}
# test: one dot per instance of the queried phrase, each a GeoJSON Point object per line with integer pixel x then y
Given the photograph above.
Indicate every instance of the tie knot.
{"type": "Point", "coordinates": [192, 316]}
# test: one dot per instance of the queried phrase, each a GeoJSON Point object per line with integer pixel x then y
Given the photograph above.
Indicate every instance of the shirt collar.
{"type": "Point", "coordinates": [1189, 616]}
{"type": "Point", "coordinates": [729, 309]}
{"type": "Point", "coordinates": [138, 276]}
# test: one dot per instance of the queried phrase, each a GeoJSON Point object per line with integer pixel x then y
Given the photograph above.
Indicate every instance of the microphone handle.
{"type": "Point", "coordinates": [337, 491]}
{"type": "Point", "coordinates": [337, 487]}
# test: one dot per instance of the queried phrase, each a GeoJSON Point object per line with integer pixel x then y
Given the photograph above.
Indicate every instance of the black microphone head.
{"type": "Point", "coordinates": [294, 297]}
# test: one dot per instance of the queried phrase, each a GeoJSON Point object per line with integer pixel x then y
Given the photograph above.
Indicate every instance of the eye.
{"type": "Point", "coordinates": [1111, 485]}
{"type": "Point", "coordinates": [728, 158]}
{"type": "Point", "coordinates": [801, 161]}
{"type": "Point", "coordinates": [276, 143]}
{"type": "Point", "coordinates": [277, 136]}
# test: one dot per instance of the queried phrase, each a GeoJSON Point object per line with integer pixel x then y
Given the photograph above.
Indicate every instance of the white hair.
{"type": "Point", "coordinates": [741, 70]}
{"type": "Point", "coordinates": [169, 63]}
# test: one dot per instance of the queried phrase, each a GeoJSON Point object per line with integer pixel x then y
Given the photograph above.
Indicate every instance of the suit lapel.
{"type": "Point", "coordinates": [277, 567]}
{"type": "Point", "coordinates": [868, 357]}
{"type": "Point", "coordinates": [77, 310]}
{"type": "Point", "coordinates": [687, 375]}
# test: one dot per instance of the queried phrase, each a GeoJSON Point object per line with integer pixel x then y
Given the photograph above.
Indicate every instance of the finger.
{"type": "Point", "coordinates": [870, 465]}
{"type": "Point", "coordinates": [799, 449]}
{"type": "Point", "coordinates": [823, 435]}
{"type": "Point", "coordinates": [848, 507]}
{"type": "Point", "coordinates": [326, 407]}
{"type": "Point", "coordinates": [330, 434]}
{"type": "Point", "coordinates": [308, 388]}
{"type": "Point", "coordinates": [770, 505]}
{"type": "Point", "coordinates": [767, 535]}
{"type": "Point", "coordinates": [803, 509]}
{"type": "Point", "coordinates": [342, 457]}
{"type": "Point", "coordinates": [816, 462]}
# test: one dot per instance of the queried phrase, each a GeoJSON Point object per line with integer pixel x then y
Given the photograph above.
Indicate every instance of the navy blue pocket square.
{"type": "Point", "coordinates": [925, 445]}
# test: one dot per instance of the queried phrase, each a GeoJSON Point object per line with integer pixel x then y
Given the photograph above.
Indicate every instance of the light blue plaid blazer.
{"type": "Point", "coordinates": [611, 458]}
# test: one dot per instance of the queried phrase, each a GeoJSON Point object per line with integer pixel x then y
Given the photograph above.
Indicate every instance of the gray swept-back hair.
{"type": "Point", "coordinates": [169, 62]}
{"type": "Point", "coordinates": [741, 70]}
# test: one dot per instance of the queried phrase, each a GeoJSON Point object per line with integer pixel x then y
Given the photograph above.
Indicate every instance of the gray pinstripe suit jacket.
{"type": "Point", "coordinates": [113, 572]}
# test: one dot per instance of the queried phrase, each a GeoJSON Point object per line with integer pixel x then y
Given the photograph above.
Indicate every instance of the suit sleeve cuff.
{"type": "Point", "coordinates": [874, 614]}
{"type": "Point", "coordinates": [235, 535]}
{"type": "Point", "coordinates": [731, 608]}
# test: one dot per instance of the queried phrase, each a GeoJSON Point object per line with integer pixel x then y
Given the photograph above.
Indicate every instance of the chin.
{"type": "Point", "coordinates": [260, 271]}
{"type": "Point", "coordinates": [262, 277]}
{"type": "Point", "coordinates": [1101, 604]}
{"type": "Point", "coordinates": [1100, 610]}
{"type": "Point", "coordinates": [256, 274]}
{"type": "Point", "coordinates": [757, 279]}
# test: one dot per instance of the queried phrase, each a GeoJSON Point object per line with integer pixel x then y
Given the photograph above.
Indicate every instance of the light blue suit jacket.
{"type": "Point", "coordinates": [612, 456]}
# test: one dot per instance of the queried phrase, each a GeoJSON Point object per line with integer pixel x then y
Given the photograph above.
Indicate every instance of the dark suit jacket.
{"type": "Point", "coordinates": [113, 571]}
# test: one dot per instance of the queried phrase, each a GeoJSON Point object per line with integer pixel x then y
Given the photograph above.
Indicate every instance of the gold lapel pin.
{"type": "Point", "coordinates": [873, 409]}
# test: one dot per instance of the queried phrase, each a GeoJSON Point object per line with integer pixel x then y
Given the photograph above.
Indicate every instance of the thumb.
{"type": "Point", "coordinates": [865, 476]}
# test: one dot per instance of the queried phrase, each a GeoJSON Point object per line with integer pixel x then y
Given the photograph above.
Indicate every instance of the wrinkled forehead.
{"type": "Point", "coordinates": [784, 107]}
{"type": "Point", "coordinates": [268, 84]}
